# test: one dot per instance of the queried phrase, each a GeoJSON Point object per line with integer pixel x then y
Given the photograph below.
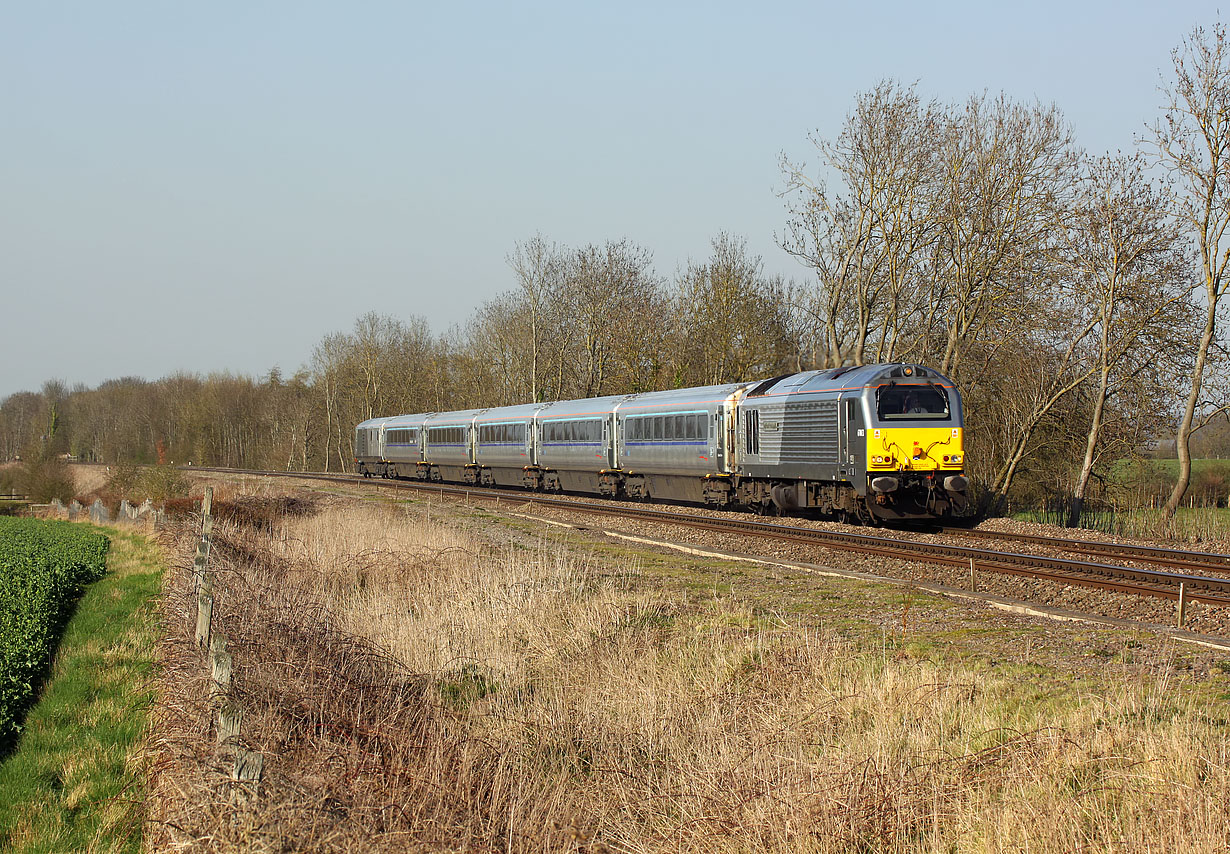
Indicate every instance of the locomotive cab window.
{"type": "Point", "coordinates": [908, 402]}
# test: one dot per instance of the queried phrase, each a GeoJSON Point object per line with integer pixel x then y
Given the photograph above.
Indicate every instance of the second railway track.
{"type": "Point", "coordinates": [1155, 583]}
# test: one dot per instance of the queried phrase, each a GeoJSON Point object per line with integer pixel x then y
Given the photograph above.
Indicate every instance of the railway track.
{"type": "Point", "coordinates": [1174, 558]}
{"type": "Point", "coordinates": [1182, 586]}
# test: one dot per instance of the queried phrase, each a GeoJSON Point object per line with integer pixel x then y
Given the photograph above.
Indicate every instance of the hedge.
{"type": "Point", "coordinates": [44, 566]}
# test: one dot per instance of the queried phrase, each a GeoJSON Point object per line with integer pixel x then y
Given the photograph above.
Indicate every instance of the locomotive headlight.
{"type": "Point", "coordinates": [956, 458]}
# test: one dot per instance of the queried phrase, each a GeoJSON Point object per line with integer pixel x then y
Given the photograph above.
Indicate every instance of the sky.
{"type": "Point", "coordinates": [215, 187]}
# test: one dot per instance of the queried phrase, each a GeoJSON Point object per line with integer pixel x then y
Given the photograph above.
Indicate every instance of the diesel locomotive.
{"type": "Point", "coordinates": [872, 443]}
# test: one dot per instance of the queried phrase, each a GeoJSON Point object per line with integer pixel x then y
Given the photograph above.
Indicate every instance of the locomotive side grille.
{"type": "Point", "coordinates": [809, 432]}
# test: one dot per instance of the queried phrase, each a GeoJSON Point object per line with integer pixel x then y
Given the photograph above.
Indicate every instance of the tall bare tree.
{"type": "Point", "coordinates": [540, 268]}
{"type": "Point", "coordinates": [1127, 261]}
{"type": "Point", "coordinates": [1193, 143]}
{"type": "Point", "coordinates": [731, 320]}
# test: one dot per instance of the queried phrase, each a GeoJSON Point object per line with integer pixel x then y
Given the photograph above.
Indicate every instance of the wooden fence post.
{"type": "Point", "coordinates": [229, 718]}
{"type": "Point", "coordinates": [207, 519]}
{"type": "Point", "coordinates": [249, 765]}
{"type": "Point", "coordinates": [204, 614]}
{"type": "Point", "coordinates": [1182, 603]}
{"type": "Point", "coordinates": [220, 665]}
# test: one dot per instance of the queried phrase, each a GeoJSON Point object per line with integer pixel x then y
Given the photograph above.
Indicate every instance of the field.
{"type": "Point", "coordinates": [76, 780]}
{"type": "Point", "coordinates": [44, 566]}
{"type": "Point", "coordinates": [431, 677]}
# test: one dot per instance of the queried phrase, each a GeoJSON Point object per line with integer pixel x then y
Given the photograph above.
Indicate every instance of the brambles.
{"type": "Point", "coordinates": [43, 568]}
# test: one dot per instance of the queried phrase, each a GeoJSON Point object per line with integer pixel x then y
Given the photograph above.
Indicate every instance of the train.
{"type": "Point", "coordinates": [868, 443]}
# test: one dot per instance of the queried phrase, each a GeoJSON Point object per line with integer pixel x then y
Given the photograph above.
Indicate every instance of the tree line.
{"type": "Point", "coordinates": [1076, 300]}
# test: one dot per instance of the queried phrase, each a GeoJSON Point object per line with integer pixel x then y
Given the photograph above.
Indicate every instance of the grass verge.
{"type": "Point", "coordinates": [75, 781]}
{"type": "Point", "coordinates": [437, 679]}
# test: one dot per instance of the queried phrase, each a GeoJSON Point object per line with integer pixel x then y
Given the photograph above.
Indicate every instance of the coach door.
{"type": "Point", "coordinates": [608, 441]}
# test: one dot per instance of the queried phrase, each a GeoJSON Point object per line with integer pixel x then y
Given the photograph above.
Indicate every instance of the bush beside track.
{"type": "Point", "coordinates": [44, 566]}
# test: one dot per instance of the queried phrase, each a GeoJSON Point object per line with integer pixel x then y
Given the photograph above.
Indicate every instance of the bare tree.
{"type": "Point", "coordinates": [1193, 144]}
{"type": "Point", "coordinates": [1005, 167]}
{"type": "Point", "coordinates": [539, 268]}
{"type": "Point", "coordinates": [863, 241]}
{"type": "Point", "coordinates": [605, 286]}
{"type": "Point", "coordinates": [731, 320]}
{"type": "Point", "coordinates": [1127, 261]}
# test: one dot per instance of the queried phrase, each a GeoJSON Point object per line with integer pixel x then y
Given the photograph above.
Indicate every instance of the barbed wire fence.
{"type": "Point", "coordinates": [248, 764]}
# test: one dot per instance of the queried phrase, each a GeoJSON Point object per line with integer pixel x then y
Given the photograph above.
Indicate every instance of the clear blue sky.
{"type": "Point", "coordinates": [211, 187]}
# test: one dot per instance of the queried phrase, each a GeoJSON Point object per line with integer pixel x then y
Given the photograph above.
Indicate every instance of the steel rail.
{"type": "Point", "coordinates": [1101, 576]}
{"type": "Point", "coordinates": [1177, 558]}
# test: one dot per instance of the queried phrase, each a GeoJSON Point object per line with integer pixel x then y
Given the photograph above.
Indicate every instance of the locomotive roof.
{"type": "Point", "coordinates": [858, 376]}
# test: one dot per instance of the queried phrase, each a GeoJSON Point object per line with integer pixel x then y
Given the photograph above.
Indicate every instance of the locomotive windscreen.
{"type": "Point", "coordinates": [902, 402]}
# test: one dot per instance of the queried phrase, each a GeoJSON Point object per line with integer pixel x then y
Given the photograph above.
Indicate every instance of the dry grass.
{"type": "Point", "coordinates": [416, 687]}
{"type": "Point", "coordinates": [88, 480]}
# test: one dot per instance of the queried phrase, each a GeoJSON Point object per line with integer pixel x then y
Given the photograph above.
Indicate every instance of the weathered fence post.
{"type": "Point", "coordinates": [1182, 603]}
{"type": "Point", "coordinates": [229, 718]}
{"type": "Point", "coordinates": [249, 765]}
{"type": "Point", "coordinates": [200, 570]}
{"type": "Point", "coordinates": [220, 662]}
{"type": "Point", "coordinates": [207, 520]}
{"type": "Point", "coordinates": [204, 614]}
{"type": "Point", "coordinates": [973, 576]}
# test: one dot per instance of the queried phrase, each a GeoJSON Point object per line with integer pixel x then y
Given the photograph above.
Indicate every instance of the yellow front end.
{"type": "Point", "coordinates": [892, 449]}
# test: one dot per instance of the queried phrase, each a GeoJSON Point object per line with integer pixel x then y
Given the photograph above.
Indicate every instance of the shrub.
{"type": "Point", "coordinates": [45, 479]}
{"type": "Point", "coordinates": [136, 483]}
{"type": "Point", "coordinates": [124, 479]}
{"type": "Point", "coordinates": [162, 483]}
